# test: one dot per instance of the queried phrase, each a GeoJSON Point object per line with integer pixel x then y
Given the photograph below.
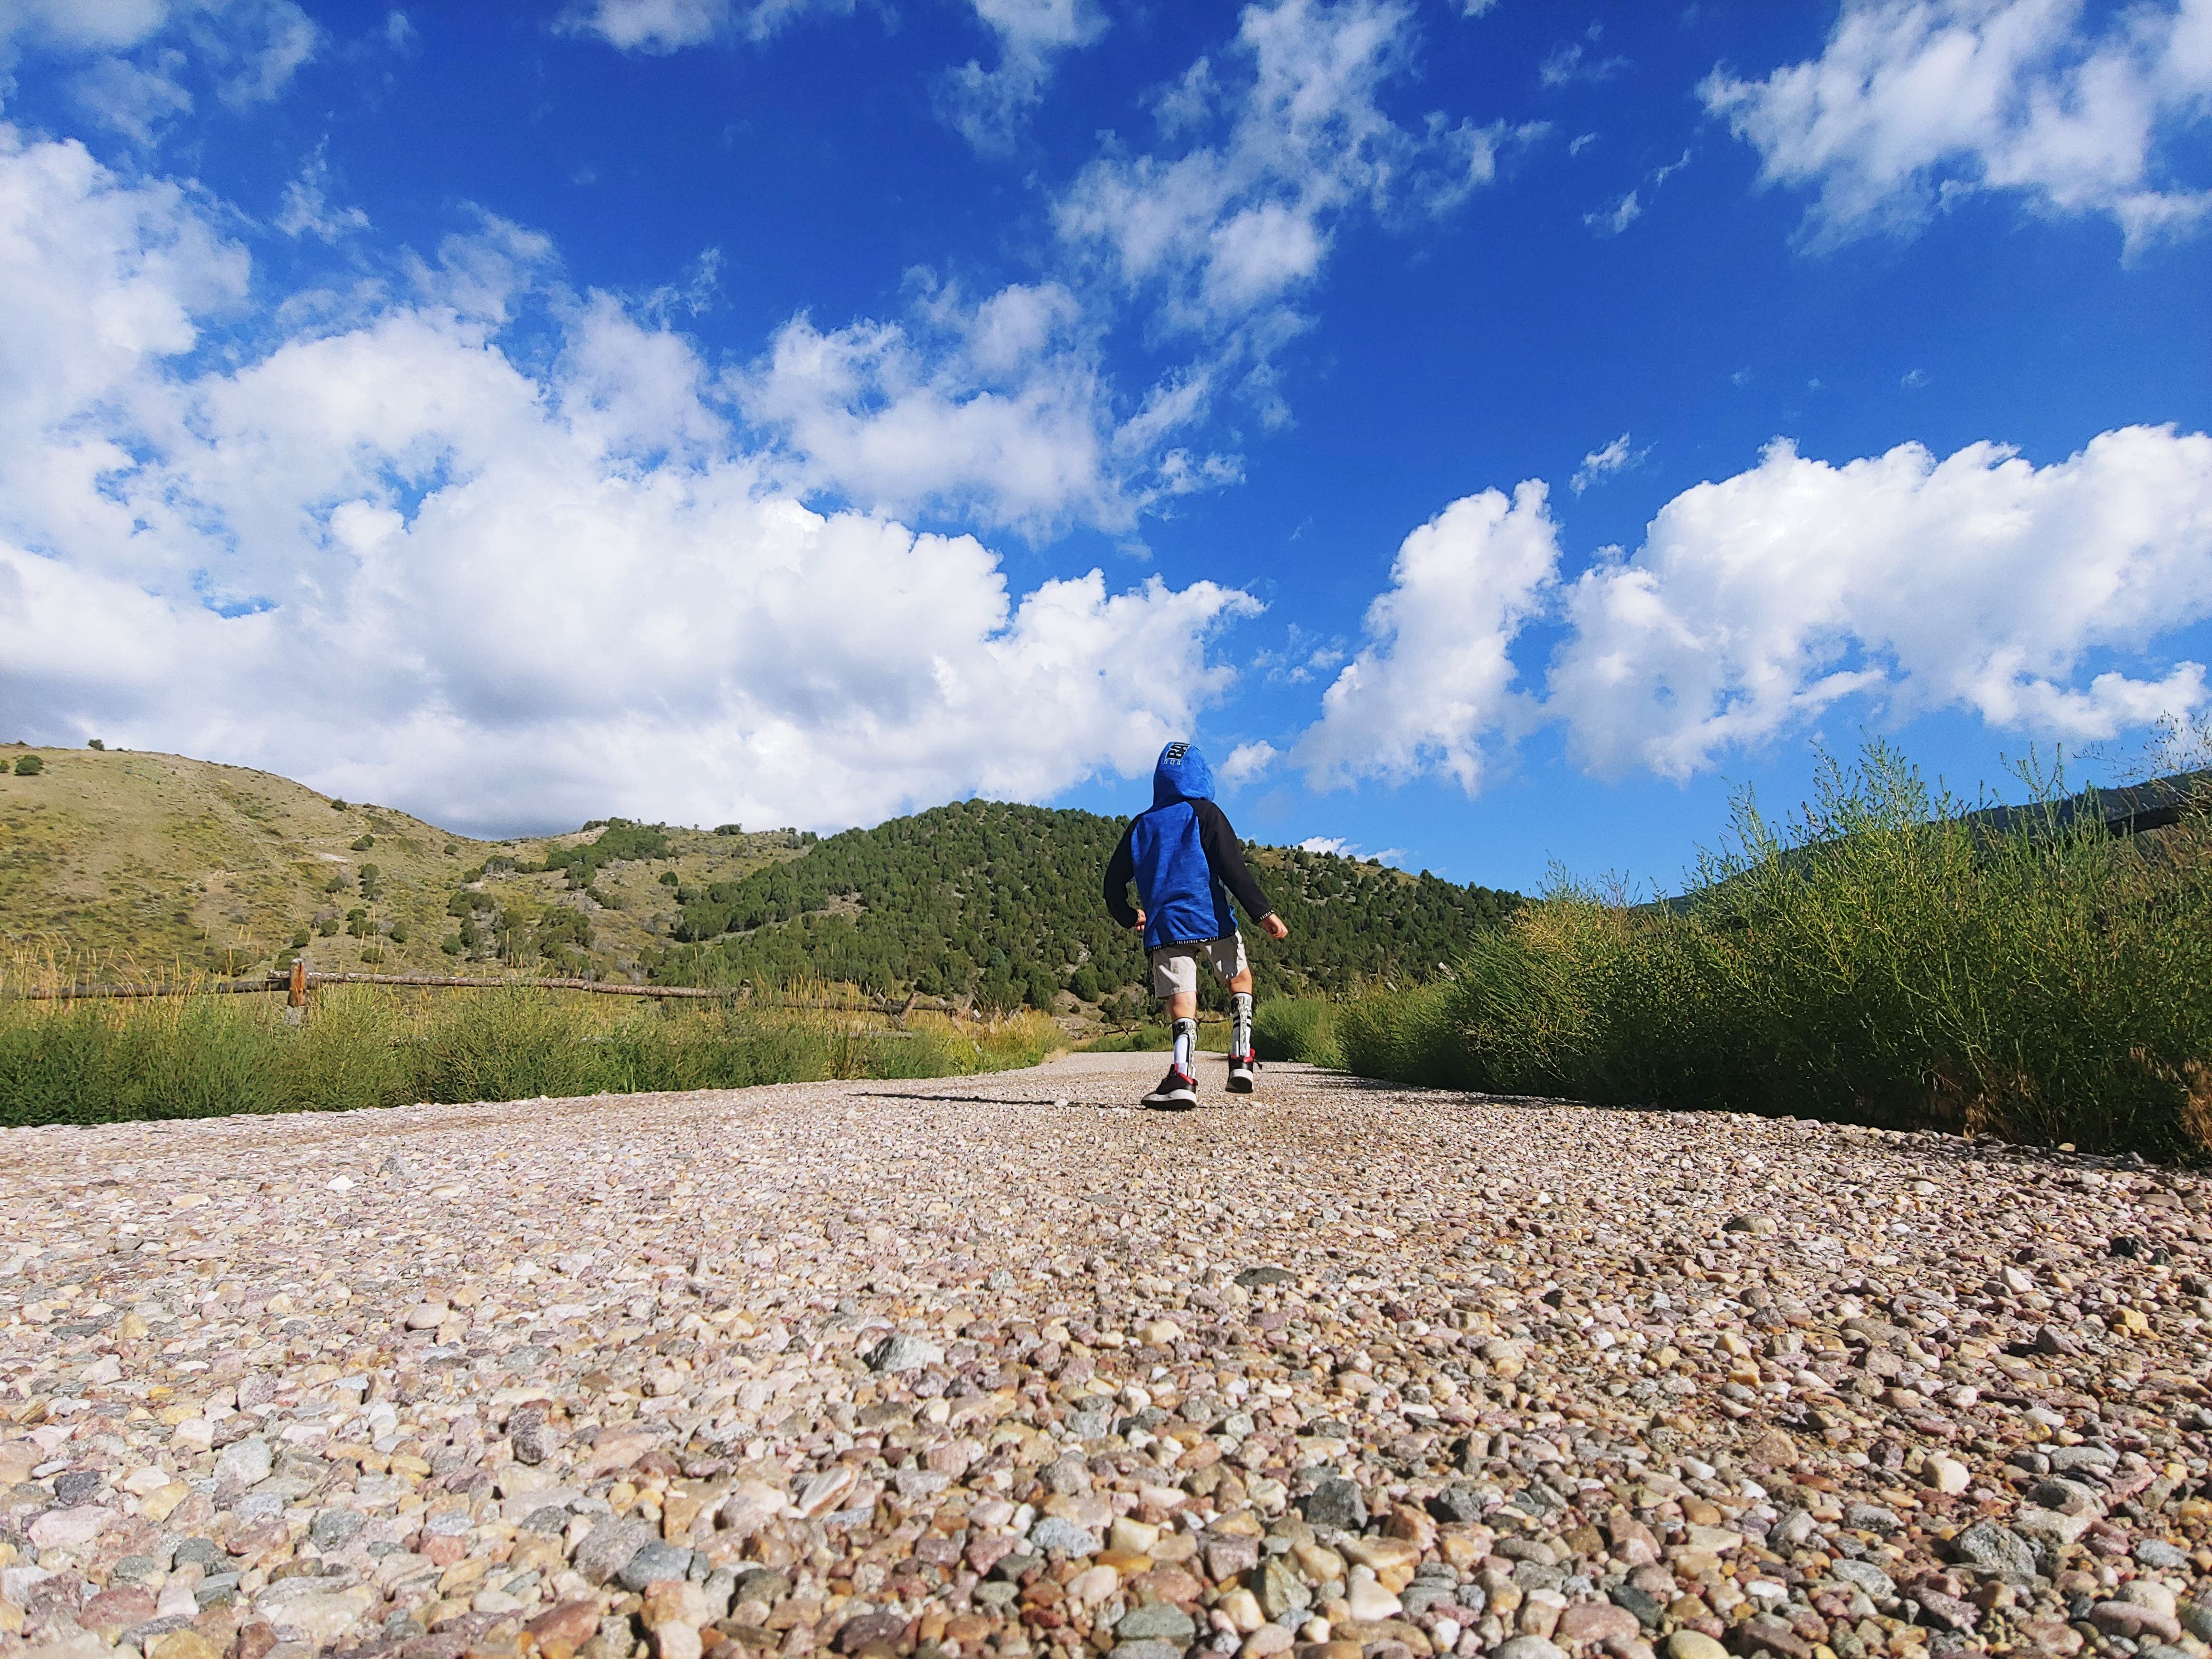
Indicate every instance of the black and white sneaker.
{"type": "Point", "coordinates": [1176, 1093]}
{"type": "Point", "coordinates": [1242, 1069]}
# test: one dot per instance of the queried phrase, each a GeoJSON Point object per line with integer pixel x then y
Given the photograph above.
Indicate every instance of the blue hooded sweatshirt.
{"type": "Point", "coordinates": [1184, 857]}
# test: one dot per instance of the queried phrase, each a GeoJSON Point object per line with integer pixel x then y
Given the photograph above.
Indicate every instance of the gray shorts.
{"type": "Point", "coordinates": [1175, 967]}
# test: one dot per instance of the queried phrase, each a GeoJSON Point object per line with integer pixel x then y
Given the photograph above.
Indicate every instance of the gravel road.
{"type": "Point", "coordinates": [1005, 1365]}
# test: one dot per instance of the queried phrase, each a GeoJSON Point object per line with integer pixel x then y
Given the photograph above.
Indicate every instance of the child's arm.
{"type": "Point", "coordinates": [1121, 871]}
{"type": "Point", "coordinates": [1225, 852]}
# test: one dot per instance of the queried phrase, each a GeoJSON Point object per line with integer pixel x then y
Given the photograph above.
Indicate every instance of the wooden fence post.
{"type": "Point", "coordinates": [297, 996]}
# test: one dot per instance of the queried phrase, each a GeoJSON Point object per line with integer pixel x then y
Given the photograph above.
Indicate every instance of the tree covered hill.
{"type": "Point", "coordinates": [1001, 901]}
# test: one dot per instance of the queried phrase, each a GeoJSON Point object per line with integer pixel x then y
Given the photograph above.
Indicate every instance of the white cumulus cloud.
{"type": "Point", "coordinates": [132, 57]}
{"type": "Point", "coordinates": [988, 106]}
{"type": "Point", "coordinates": [398, 557]}
{"type": "Point", "coordinates": [1247, 760]}
{"type": "Point", "coordinates": [2035, 598]}
{"type": "Point", "coordinates": [1914, 102]}
{"type": "Point", "coordinates": [998, 409]}
{"type": "Point", "coordinates": [1977, 581]}
{"type": "Point", "coordinates": [1287, 139]}
{"type": "Point", "coordinates": [1435, 686]}
{"type": "Point", "coordinates": [666, 26]}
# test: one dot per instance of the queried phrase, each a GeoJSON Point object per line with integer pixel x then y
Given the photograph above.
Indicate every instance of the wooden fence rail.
{"type": "Point", "coordinates": [298, 981]}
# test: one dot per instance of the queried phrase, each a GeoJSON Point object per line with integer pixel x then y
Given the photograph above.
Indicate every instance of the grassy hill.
{"type": "Point", "coordinates": [121, 864]}
{"type": "Point", "coordinates": [1002, 902]}
{"type": "Point", "coordinates": [141, 866]}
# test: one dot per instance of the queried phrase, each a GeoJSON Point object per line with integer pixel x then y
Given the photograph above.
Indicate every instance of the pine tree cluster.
{"type": "Point", "coordinates": [1002, 902]}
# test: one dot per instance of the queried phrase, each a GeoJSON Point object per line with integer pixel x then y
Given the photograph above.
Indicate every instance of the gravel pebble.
{"type": "Point", "coordinates": [1004, 1367]}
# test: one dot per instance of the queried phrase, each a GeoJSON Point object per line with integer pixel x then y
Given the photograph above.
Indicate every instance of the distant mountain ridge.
{"type": "Point", "coordinates": [1002, 902]}
{"type": "Point", "coordinates": [116, 862]}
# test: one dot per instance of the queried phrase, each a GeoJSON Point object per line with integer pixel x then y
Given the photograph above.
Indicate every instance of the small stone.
{"type": "Point", "coordinates": [1596, 1622]}
{"type": "Point", "coordinates": [1268, 1642]}
{"type": "Point", "coordinates": [1694, 1644]}
{"type": "Point", "coordinates": [1056, 1533]}
{"type": "Point", "coordinates": [116, 1607]}
{"type": "Point", "coordinates": [1645, 1607]}
{"type": "Point", "coordinates": [530, 1434]}
{"type": "Point", "coordinates": [651, 1562]}
{"type": "Point", "coordinates": [182, 1644]}
{"type": "Point", "coordinates": [869, 1627]}
{"type": "Point", "coordinates": [1252, 1279]}
{"type": "Point", "coordinates": [1369, 1601]}
{"type": "Point", "coordinates": [1865, 1575]}
{"type": "Point", "coordinates": [1279, 1589]}
{"type": "Point", "coordinates": [560, 1633]}
{"type": "Point", "coordinates": [1988, 1548]}
{"type": "Point", "coordinates": [71, 1529]}
{"type": "Point", "coordinates": [607, 1547]}
{"type": "Point", "coordinates": [1146, 1647]}
{"type": "Point", "coordinates": [2156, 1553]}
{"type": "Point", "coordinates": [1240, 1607]}
{"type": "Point", "coordinates": [1095, 1584]}
{"type": "Point", "coordinates": [1162, 1620]}
{"type": "Point", "coordinates": [1870, 1517]}
{"type": "Point", "coordinates": [1948, 1475]}
{"type": "Point", "coordinates": [244, 1463]}
{"type": "Point", "coordinates": [2134, 1621]}
{"type": "Point", "coordinates": [900, 1353]}
{"type": "Point", "coordinates": [2073, 1460]}
{"type": "Point", "coordinates": [333, 1529]}
{"type": "Point", "coordinates": [1335, 1502]}
{"type": "Point", "coordinates": [2052, 1529]}
{"type": "Point", "coordinates": [677, 1642]}
{"type": "Point", "coordinates": [1528, 1647]}
{"type": "Point", "coordinates": [325, 1614]}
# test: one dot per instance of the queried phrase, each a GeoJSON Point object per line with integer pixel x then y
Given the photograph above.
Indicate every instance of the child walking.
{"type": "Point", "coordinates": [1182, 854]}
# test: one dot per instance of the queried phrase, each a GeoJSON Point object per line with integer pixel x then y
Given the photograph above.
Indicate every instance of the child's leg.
{"type": "Point", "coordinates": [1239, 1013]}
{"type": "Point", "coordinates": [1237, 969]}
{"type": "Point", "coordinates": [1175, 982]}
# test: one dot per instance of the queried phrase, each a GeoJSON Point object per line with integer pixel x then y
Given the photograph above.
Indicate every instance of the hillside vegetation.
{"type": "Point", "coordinates": [116, 865]}
{"type": "Point", "coordinates": [1002, 902]}
{"type": "Point", "coordinates": [120, 866]}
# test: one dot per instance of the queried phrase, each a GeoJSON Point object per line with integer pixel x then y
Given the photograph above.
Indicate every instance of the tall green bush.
{"type": "Point", "coordinates": [1885, 955]}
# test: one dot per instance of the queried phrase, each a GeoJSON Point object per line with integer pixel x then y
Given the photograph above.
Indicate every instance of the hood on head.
{"type": "Point", "coordinates": [1181, 775]}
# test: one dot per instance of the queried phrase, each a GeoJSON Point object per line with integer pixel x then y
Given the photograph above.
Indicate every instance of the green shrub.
{"type": "Point", "coordinates": [95, 743]}
{"type": "Point", "coordinates": [400, 932]}
{"type": "Point", "coordinates": [668, 879]}
{"type": "Point", "coordinates": [1295, 1028]}
{"type": "Point", "coordinates": [1884, 956]}
{"type": "Point", "coordinates": [28, 766]}
{"type": "Point", "coordinates": [300, 937]}
{"type": "Point", "coordinates": [363, 842]}
{"type": "Point", "coordinates": [563, 926]}
{"type": "Point", "coordinates": [328, 926]}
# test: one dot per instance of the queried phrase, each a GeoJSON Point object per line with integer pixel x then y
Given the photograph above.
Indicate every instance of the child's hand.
{"type": "Point", "coordinates": [1274, 926]}
{"type": "Point", "coordinates": [1139, 926]}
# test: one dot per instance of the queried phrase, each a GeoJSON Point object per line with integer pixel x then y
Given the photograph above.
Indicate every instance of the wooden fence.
{"type": "Point", "coordinates": [296, 983]}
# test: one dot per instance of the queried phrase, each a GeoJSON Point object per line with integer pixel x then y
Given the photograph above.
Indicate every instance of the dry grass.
{"type": "Point", "coordinates": [204, 1055]}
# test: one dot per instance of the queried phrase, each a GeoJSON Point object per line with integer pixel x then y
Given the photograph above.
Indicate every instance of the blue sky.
{"type": "Point", "coordinates": [1497, 431]}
